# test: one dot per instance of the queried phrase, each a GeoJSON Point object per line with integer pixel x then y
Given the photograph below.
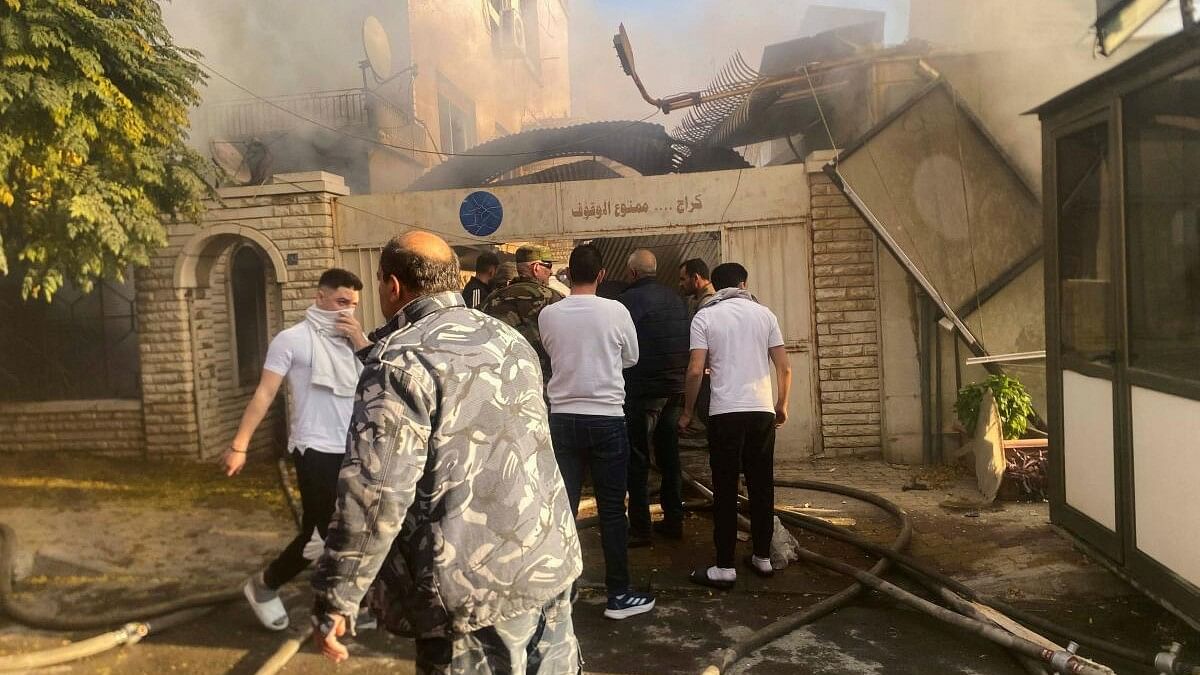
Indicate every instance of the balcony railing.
{"type": "Point", "coordinates": [338, 109]}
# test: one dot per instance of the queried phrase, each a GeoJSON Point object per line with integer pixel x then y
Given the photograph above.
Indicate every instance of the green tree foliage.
{"type": "Point", "coordinates": [94, 100]}
{"type": "Point", "coordinates": [1012, 402]}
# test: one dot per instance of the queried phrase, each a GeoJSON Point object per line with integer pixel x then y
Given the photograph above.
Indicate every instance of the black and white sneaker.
{"type": "Point", "coordinates": [628, 604]}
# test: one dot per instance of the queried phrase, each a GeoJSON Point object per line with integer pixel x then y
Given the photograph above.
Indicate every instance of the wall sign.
{"type": "Point", "coordinates": [481, 213]}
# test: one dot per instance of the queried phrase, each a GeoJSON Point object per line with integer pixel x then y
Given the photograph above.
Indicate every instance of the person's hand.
{"type": "Point", "coordinates": [233, 461]}
{"type": "Point", "coordinates": [685, 421]}
{"type": "Point", "coordinates": [328, 643]}
{"type": "Point", "coordinates": [780, 414]}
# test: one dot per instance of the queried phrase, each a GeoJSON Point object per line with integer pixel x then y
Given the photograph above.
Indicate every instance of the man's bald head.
{"type": "Point", "coordinates": [642, 263]}
{"type": "Point", "coordinates": [423, 262]}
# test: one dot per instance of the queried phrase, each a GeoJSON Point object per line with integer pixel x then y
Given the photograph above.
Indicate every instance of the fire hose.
{"type": "Point", "coordinates": [140, 623]}
{"type": "Point", "coordinates": [135, 625]}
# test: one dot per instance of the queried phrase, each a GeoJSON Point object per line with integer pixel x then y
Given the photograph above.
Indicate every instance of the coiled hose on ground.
{"type": "Point", "coordinates": [136, 626]}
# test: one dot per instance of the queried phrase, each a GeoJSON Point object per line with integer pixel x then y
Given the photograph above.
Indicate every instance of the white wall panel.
{"type": "Point", "coordinates": [1088, 458]}
{"type": "Point", "coordinates": [1166, 468]}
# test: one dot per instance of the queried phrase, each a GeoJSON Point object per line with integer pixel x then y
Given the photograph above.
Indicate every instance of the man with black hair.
{"type": "Point", "coordinates": [316, 356]}
{"type": "Point", "coordinates": [480, 285]}
{"type": "Point", "coordinates": [739, 340]}
{"type": "Point", "coordinates": [590, 341]}
{"type": "Point", "coordinates": [693, 281]}
{"type": "Point", "coordinates": [450, 503]}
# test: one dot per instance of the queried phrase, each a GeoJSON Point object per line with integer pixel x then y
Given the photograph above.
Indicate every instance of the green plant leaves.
{"type": "Point", "coordinates": [94, 98]}
{"type": "Point", "coordinates": [1012, 403]}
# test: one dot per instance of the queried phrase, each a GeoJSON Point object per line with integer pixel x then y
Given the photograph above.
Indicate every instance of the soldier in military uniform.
{"type": "Point", "coordinates": [519, 303]}
{"type": "Point", "coordinates": [450, 500]}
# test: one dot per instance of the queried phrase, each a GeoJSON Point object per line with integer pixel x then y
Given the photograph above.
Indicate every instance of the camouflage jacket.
{"type": "Point", "coordinates": [518, 305]}
{"type": "Point", "coordinates": [450, 493]}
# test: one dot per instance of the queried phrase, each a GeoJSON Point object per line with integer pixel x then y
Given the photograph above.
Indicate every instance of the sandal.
{"type": "Point", "coordinates": [700, 576]}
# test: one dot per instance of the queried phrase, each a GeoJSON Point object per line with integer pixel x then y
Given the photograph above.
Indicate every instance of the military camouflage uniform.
{"type": "Point", "coordinates": [451, 496]}
{"type": "Point", "coordinates": [518, 305]}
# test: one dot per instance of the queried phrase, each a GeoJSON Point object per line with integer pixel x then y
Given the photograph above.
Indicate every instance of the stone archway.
{"type": "Point", "coordinates": [193, 265]}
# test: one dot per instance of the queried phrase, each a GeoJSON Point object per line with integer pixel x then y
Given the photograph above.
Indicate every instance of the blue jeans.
{"type": "Point", "coordinates": [601, 444]}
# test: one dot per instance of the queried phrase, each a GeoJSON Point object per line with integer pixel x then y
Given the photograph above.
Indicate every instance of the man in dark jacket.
{"type": "Point", "coordinates": [653, 396]}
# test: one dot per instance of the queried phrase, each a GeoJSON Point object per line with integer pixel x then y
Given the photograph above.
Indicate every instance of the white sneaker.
{"type": "Point", "coordinates": [266, 603]}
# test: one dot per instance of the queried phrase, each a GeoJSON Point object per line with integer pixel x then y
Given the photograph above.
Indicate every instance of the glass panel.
{"type": "Point", "coordinates": [80, 346]}
{"type": "Point", "coordinates": [1085, 245]}
{"type": "Point", "coordinates": [1162, 183]}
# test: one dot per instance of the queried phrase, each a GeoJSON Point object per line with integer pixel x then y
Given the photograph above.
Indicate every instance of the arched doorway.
{"type": "Point", "coordinates": [232, 280]}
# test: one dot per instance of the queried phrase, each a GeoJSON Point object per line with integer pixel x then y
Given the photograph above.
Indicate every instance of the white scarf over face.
{"type": "Point", "coordinates": [334, 365]}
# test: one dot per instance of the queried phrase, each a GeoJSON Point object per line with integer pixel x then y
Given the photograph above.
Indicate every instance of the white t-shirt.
{"type": "Point", "coordinates": [737, 334]}
{"type": "Point", "coordinates": [590, 340]}
{"type": "Point", "coordinates": [318, 419]}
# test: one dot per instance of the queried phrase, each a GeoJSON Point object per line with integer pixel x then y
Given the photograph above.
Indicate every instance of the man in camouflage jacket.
{"type": "Point", "coordinates": [450, 499]}
{"type": "Point", "coordinates": [519, 303]}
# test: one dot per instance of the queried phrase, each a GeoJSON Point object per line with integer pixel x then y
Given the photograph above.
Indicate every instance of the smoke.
{"type": "Point", "coordinates": [1004, 56]}
{"type": "Point", "coordinates": [680, 45]}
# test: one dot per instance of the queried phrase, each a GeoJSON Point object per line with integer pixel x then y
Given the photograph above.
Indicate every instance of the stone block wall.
{"type": "Point", "coordinates": [845, 295]}
{"type": "Point", "coordinates": [107, 426]}
{"type": "Point", "coordinates": [191, 397]}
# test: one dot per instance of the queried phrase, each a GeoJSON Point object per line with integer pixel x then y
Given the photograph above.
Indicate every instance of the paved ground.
{"type": "Point", "coordinates": [99, 534]}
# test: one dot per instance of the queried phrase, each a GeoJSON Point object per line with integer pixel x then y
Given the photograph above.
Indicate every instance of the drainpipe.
{"type": "Point", "coordinates": [923, 359]}
{"type": "Point", "coordinates": [939, 452]}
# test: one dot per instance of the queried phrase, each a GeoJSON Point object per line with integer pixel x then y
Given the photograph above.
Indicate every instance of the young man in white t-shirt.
{"type": "Point", "coordinates": [739, 340]}
{"type": "Point", "coordinates": [317, 357]}
{"type": "Point", "coordinates": [591, 340]}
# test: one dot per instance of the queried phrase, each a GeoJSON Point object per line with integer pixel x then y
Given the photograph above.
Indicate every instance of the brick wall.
{"type": "Point", "coordinates": [846, 320]}
{"type": "Point", "coordinates": [111, 427]}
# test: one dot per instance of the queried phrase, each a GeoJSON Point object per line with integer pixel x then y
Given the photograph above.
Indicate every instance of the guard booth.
{"type": "Point", "coordinates": [1121, 178]}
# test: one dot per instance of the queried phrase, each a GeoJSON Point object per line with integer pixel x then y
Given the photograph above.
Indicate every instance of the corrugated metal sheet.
{"type": "Point", "coordinates": [670, 249]}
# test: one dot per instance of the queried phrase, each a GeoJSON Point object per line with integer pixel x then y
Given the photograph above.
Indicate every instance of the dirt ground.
{"type": "Point", "coordinates": [98, 534]}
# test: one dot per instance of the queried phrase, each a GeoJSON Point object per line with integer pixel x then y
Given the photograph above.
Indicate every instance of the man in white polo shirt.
{"type": "Point", "coordinates": [317, 357]}
{"type": "Point", "coordinates": [739, 339]}
{"type": "Point", "coordinates": [591, 340]}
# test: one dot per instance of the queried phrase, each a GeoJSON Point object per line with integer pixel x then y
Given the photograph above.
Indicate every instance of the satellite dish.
{"type": "Point", "coordinates": [231, 160]}
{"type": "Point", "coordinates": [244, 162]}
{"type": "Point", "coordinates": [378, 48]}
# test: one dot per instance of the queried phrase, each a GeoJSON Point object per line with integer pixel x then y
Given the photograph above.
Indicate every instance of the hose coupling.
{"type": "Point", "coordinates": [134, 632]}
{"type": "Point", "coordinates": [1171, 662]}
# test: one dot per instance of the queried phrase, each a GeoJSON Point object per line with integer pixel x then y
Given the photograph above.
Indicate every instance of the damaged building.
{"type": "Point", "coordinates": [887, 202]}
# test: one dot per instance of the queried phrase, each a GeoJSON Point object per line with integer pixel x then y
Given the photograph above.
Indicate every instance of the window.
{"type": "Point", "coordinates": [80, 346]}
{"type": "Point", "coordinates": [1162, 199]}
{"type": "Point", "coordinates": [1085, 245]}
{"type": "Point", "coordinates": [248, 291]}
{"type": "Point", "coordinates": [456, 118]}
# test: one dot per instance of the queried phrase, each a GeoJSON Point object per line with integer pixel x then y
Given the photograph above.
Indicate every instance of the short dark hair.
{"type": "Point", "coordinates": [335, 278]}
{"type": "Point", "coordinates": [695, 266]}
{"type": "Point", "coordinates": [419, 273]}
{"type": "Point", "coordinates": [585, 264]}
{"type": "Point", "coordinates": [728, 275]}
{"type": "Point", "coordinates": [486, 261]}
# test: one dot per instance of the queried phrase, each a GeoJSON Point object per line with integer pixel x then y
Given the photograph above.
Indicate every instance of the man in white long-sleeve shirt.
{"type": "Point", "coordinates": [591, 340]}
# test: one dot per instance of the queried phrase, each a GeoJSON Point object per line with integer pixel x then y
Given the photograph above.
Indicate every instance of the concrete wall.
{"type": "Point", "coordinates": [903, 432]}
{"type": "Point", "coordinates": [451, 41]}
{"type": "Point", "coordinates": [107, 426]}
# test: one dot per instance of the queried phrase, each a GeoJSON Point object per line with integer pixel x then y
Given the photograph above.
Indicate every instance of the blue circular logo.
{"type": "Point", "coordinates": [481, 213]}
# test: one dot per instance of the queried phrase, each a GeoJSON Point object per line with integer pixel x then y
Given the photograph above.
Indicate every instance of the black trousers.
{"type": "Point", "coordinates": [317, 478]}
{"type": "Point", "coordinates": [745, 442]}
